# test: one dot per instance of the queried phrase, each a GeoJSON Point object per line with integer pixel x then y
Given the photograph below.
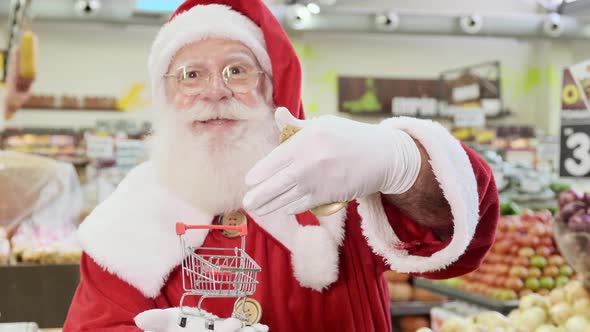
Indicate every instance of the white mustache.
{"type": "Point", "coordinates": [205, 111]}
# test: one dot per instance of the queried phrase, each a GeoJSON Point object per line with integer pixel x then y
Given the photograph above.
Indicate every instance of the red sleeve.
{"type": "Point", "coordinates": [422, 242]}
{"type": "Point", "coordinates": [103, 302]}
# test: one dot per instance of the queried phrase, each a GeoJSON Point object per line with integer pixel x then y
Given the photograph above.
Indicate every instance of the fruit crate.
{"type": "Point", "coordinates": [503, 307]}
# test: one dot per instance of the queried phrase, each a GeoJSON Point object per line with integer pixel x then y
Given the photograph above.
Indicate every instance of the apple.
{"type": "Point", "coordinates": [556, 260]}
{"type": "Point", "coordinates": [524, 292]}
{"type": "Point", "coordinates": [488, 279]}
{"type": "Point", "coordinates": [526, 252]}
{"type": "Point", "coordinates": [514, 283]}
{"type": "Point", "coordinates": [502, 269]}
{"type": "Point", "coordinates": [521, 261]}
{"type": "Point", "coordinates": [543, 291]}
{"type": "Point", "coordinates": [529, 240]}
{"type": "Point", "coordinates": [501, 247]}
{"type": "Point", "coordinates": [534, 272]}
{"type": "Point", "coordinates": [538, 261]}
{"type": "Point", "coordinates": [519, 272]}
{"type": "Point", "coordinates": [532, 283]}
{"type": "Point", "coordinates": [544, 251]}
{"type": "Point", "coordinates": [538, 230]}
{"type": "Point", "coordinates": [566, 270]}
{"type": "Point", "coordinates": [547, 241]}
{"type": "Point", "coordinates": [561, 281]}
{"type": "Point", "coordinates": [547, 283]}
{"type": "Point", "coordinates": [551, 271]}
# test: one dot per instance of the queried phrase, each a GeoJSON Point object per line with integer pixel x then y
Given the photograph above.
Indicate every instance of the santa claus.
{"type": "Point", "coordinates": [226, 81]}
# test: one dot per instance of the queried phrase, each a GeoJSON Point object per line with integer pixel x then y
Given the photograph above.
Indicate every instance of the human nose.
{"type": "Point", "coordinates": [216, 89]}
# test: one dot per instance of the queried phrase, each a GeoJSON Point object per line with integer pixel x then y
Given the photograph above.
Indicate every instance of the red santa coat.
{"type": "Point", "coordinates": [319, 275]}
{"type": "Point", "coordinates": [325, 277]}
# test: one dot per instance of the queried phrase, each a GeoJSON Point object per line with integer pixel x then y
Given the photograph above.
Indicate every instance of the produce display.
{"type": "Point", "coordinates": [524, 259]}
{"type": "Point", "coordinates": [572, 231]}
{"type": "Point", "coordinates": [564, 309]}
{"type": "Point", "coordinates": [401, 290]}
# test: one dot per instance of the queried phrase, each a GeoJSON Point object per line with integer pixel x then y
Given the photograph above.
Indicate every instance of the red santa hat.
{"type": "Point", "coordinates": [247, 21]}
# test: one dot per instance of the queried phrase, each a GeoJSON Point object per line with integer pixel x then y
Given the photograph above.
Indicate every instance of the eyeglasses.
{"type": "Point", "coordinates": [193, 80]}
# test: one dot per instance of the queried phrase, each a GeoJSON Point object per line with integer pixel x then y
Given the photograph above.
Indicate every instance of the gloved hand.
{"type": "Point", "coordinates": [167, 320]}
{"type": "Point", "coordinates": [331, 159]}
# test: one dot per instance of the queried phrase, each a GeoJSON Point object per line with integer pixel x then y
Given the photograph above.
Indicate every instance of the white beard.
{"type": "Point", "coordinates": [207, 169]}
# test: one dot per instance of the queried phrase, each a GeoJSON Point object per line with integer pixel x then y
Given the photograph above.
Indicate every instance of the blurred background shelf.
{"type": "Point", "coordinates": [501, 306]}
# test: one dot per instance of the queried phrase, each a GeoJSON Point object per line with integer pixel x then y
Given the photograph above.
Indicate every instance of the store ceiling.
{"type": "Point", "coordinates": [504, 18]}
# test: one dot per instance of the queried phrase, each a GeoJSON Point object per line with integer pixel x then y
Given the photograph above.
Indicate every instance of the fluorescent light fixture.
{"type": "Point", "coordinates": [166, 6]}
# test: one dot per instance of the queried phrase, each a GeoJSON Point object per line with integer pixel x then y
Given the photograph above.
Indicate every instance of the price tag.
{"type": "Point", "coordinates": [469, 118]}
{"type": "Point", "coordinates": [574, 159]}
{"type": "Point", "coordinates": [100, 147]}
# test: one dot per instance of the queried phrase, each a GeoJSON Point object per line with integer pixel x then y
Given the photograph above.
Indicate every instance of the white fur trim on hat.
{"type": "Point", "coordinates": [201, 22]}
{"type": "Point", "coordinates": [453, 170]}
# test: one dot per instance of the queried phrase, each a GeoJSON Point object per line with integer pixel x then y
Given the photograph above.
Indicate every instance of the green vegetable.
{"type": "Point", "coordinates": [558, 187]}
{"type": "Point", "coordinates": [509, 208]}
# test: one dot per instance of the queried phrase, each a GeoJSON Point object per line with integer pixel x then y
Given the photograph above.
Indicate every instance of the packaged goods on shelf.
{"type": "Point", "coordinates": [521, 186]}
{"type": "Point", "coordinates": [41, 203]}
{"type": "Point", "coordinates": [56, 144]}
{"type": "Point", "coordinates": [70, 102]}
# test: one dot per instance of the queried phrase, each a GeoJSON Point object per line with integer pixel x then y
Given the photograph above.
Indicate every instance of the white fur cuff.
{"type": "Point", "coordinates": [315, 266]}
{"type": "Point", "coordinates": [453, 170]}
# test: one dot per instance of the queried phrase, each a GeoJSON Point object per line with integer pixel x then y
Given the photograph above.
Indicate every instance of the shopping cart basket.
{"type": "Point", "coordinates": [217, 272]}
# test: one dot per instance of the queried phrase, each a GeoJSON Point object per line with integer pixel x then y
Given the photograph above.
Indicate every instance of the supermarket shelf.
{"type": "Point", "coordinates": [412, 308]}
{"type": "Point", "coordinates": [501, 306]}
{"type": "Point", "coordinates": [55, 109]}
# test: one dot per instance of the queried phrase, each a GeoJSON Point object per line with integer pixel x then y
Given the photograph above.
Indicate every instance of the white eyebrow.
{"type": "Point", "coordinates": [241, 56]}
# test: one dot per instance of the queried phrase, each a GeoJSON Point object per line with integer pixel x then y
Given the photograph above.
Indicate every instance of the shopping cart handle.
{"type": "Point", "coordinates": [181, 228]}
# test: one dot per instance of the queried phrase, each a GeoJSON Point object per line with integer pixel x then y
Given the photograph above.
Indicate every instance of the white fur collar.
{"type": "Point", "coordinates": [131, 234]}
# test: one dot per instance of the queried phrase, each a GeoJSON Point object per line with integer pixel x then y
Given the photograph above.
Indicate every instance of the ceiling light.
{"type": "Point", "coordinates": [313, 8]}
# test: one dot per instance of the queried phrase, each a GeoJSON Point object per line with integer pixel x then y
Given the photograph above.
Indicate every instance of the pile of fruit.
{"type": "Point", "coordinates": [524, 259]}
{"type": "Point", "coordinates": [564, 309]}
{"type": "Point", "coordinates": [572, 230]}
{"type": "Point", "coordinates": [401, 290]}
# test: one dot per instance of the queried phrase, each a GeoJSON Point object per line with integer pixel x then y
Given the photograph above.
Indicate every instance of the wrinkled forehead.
{"type": "Point", "coordinates": [214, 51]}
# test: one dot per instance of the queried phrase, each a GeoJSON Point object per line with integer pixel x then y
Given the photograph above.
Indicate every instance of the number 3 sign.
{"type": "Point", "coordinates": [574, 159]}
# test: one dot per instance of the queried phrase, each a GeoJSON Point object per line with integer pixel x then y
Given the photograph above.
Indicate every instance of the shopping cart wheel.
{"type": "Point", "coordinates": [210, 325]}
{"type": "Point", "coordinates": [182, 321]}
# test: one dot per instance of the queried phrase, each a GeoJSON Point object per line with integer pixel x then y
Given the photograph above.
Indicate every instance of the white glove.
{"type": "Point", "coordinates": [168, 320]}
{"type": "Point", "coordinates": [331, 159]}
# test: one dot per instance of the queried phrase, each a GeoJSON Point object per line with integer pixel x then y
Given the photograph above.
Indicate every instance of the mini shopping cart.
{"type": "Point", "coordinates": [216, 272]}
